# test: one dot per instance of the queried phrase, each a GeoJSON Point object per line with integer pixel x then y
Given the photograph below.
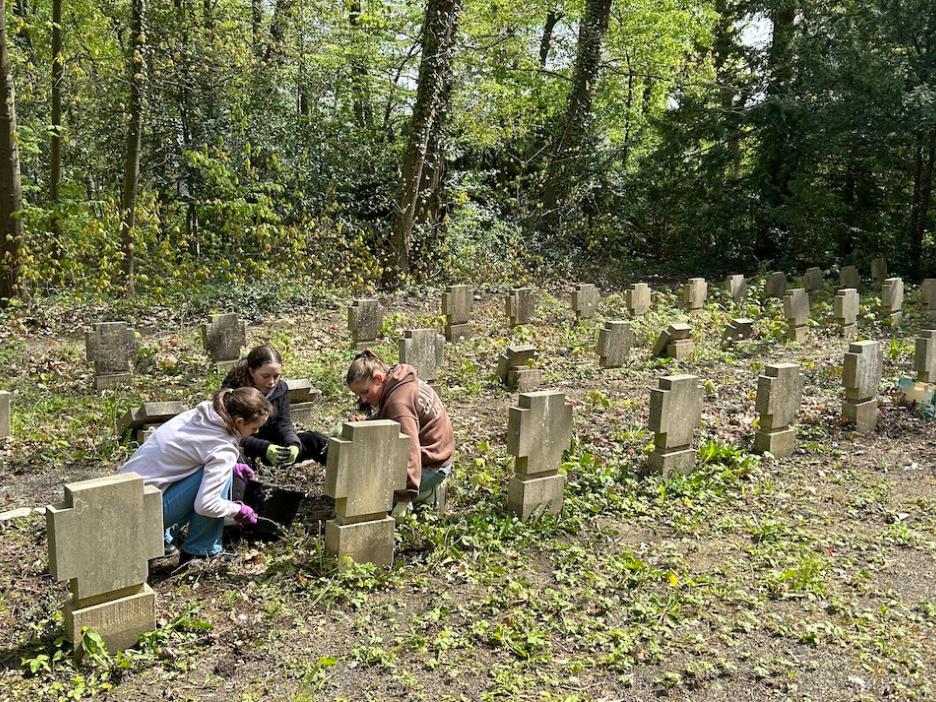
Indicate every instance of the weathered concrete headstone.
{"type": "Point", "coordinates": [585, 298]}
{"type": "Point", "coordinates": [736, 286]}
{"type": "Point", "coordinates": [675, 413]}
{"type": "Point", "coordinates": [796, 312]}
{"type": "Point", "coordinates": [100, 539]}
{"type": "Point", "coordinates": [845, 308]}
{"type": "Point", "coordinates": [924, 358]}
{"type": "Point", "coordinates": [614, 344]}
{"type": "Point", "coordinates": [694, 294]}
{"type": "Point", "coordinates": [739, 329]}
{"type": "Point", "coordinates": [864, 362]}
{"type": "Point", "coordinates": [111, 346]}
{"type": "Point", "coordinates": [928, 294]}
{"type": "Point", "coordinates": [813, 280]}
{"type": "Point", "coordinates": [365, 319]}
{"type": "Point", "coordinates": [515, 368]}
{"type": "Point", "coordinates": [637, 299]}
{"type": "Point", "coordinates": [776, 285]}
{"type": "Point", "coordinates": [675, 341]}
{"type": "Point", "coordinates": [878, 272]}
{"type": "Point", "coordinates": [5, 413]}
{"type": "Point", "coordinates": [539, 430]}
{"type": "Point", "coordinates": [519, 306]}
{"type": "Point", "coordinates": [892, 296]}
{"type": "Point", "coordinates": [224, 337]}
{"type": "Point", "coordinates": [850, 277]}
{"type": "Point", "coordinates": [457, 304]}
{"type": "Point", "coordinates": [779, 393]}
{"type": "Point", "coordinates": [146, 418]}
{"type": "Point", "coordinates": [424, 349]}
{"type": "Point", "coordinates": [365, 465]}
{"type": "Point", "coordinates": [302, 396]}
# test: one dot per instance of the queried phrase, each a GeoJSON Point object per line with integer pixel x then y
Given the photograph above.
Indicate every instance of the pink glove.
{"type": "Point", "coordinates": [244, 473]}
{"type": "Point", "coordinates": [245, 515]}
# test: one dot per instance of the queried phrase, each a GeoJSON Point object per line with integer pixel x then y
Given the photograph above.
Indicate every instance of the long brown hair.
{"type": "Point", "coordinates": [239, 375]}
{"type": "Point", "coordinates": [248, 403]}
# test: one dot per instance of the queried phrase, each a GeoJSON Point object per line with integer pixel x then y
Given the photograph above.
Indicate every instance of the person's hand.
{"type": "Point", "coordinates": [245, 515]}
{"type": "Point", "coordinates": [292, 455]}
{"type": "Point", "coordinates": [400, 510]}
{"type": "Point", "coordinates": [244, 473]}
{"type": "Point", "coordinates": [277, 455]}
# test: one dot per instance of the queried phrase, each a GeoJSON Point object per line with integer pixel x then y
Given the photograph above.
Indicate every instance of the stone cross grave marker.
{"type": "Point", "coordinates": [928, 294]}
{"type": "Point", "coordinates": [585, 298]}
{"type": "Point", "coordinates": [100, 539]}
{"type": "Point", "coordinates": [924, 357]}
{"type": "Point", "coordinates": [675, 413]}
{"type": "Point", "coordinates": [694, 294]}
{"type": "Point", "coordinates": [223, 337]}
{"type": "Point", "coordinates": [424, 349]}
{"type": "Point", "coordinates": [776, 285]}
{"type": "Point", "coordinates": [519, 306]}
{"type": "Point", "coordinates": [111, 346]}
{"type": "Point", "coordinates": [796, 312]}
{"type": "Point", "coordinates": [148, 417]}
{"type": "Point", "coordinates": [365, 465]}
{"type": "Point", "coordinates": [302, 395]}
{"type": "Point", "coordinates": [365, 319]}
{"type": "Point", "coordinates": [614, 344]}
{"type": "Point", "coordinates": [845, 307]}
{"type": "Point", "coordinates": [515, 368]}
{"type": "Point", "coordinates": [539, 430]}
{"type": "Point", "coordinates": [675, 341]}
{"type": "Point", "coordinates": [457, 303]}
{"type": "Point", "coordinates": [5, 413]}
{"type": "Point", "coordinates": [878, 272]}
{"type": "Point", "coordinates": [892, 297]}
{"type": "Point", "coordinates": [864, 362]}
{"type": "Point", "coordinates": [736, 286]}
{"type": "Point", "coordinates": [779, 394]}
{"type": "Point", "coordinates": [849, 277]}
{"type": "Point", "coordinates": [637, 299]}
{"type": "Point", "coordinates": [739, 329]}
{"type": "Point", "coordinates": [813, 280]}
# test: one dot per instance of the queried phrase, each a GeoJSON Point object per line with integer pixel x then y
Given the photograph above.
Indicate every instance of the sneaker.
{"type": "Point", "coordinates": [170, 550]}
{"type": "Point", "coordinates": [227, 557]}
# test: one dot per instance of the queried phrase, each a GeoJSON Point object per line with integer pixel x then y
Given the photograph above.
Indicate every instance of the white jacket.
{"type": "Point", "coordinates": [186, 443]}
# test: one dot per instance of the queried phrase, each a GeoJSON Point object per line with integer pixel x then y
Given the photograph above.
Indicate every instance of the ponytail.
{"type": "Point", "coordinates": [365, 366]}
{"type": "Point", "coordinates": [248, 403]}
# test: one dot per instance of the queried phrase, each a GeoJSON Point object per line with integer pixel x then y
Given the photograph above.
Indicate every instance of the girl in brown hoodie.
{"type": "Point", "coordinates": [397, 393]}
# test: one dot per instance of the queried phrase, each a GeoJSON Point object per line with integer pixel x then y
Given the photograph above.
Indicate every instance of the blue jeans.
{"type": "Point", "coordinates": [429, 480]}
{"type": "Point", "coordinates": [204, 534]}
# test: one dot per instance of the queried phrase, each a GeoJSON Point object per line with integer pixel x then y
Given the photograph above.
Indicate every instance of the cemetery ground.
{"type": "Point", "coordinates": [807, 578]}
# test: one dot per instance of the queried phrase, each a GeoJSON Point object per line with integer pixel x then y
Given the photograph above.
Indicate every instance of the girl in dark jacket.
{"type": "Point", "coordinates": [277, 442]}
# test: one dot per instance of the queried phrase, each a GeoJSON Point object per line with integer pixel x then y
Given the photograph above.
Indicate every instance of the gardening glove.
{"type": "Point", "coordinates": [400, 510]}
{"type": "Point", "coordinates": [245, 515]}
{"type": "Point", "coordinates": [292, 455]}
{"type": "Point", "coordinates": [244, 473]}
{"type": "Point", "coordinates": [277, 455]}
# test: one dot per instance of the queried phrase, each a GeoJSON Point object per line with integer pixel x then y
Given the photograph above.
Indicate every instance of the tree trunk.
{"type": "Point", "coordinates": [576, 123]}
{"type": "Point", "coordinates": [360, 91]}
{"type": "Point", "coordinates": [723, 48]}
{"type": "Point", "coordinates": [438, 45]}
{"type": "Point", "coordinates": [11, 191]}
{"type": "Point", "coordinates": [134, 135]}
{"type": "Point", "coordinates": [256, 23]}
{"type": "Point", "coordinates": [278, 24]}
{"type": "Point", "coordinates": [922, 191]}
{"type": "Point", "coordinates": [552, 17]}
{"type": "Point", "coordinates": [55, 152]}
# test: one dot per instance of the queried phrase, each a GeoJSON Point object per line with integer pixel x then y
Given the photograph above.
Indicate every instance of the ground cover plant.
{"type": "Point", "coordinates": [810, 578]}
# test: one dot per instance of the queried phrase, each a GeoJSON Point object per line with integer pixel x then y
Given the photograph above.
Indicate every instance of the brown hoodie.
{"type": "Point", "coordinates": [411, 402]}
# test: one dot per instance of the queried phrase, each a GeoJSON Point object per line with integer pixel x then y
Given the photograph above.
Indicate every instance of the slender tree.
{"type": "Point", "coordinates": [11, 191]}
{"type": "Point", "coordinates": [552, 18]}
{"type": "Point", "coordinates": [55, 151]}
{"type": "Point", "coordinates": [131, 177]}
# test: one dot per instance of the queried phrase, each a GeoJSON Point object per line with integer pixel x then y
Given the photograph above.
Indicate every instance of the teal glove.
{"type": "Point", "coordinates": [400, 510]}
{"type": "Point", "coordinates": [277, 455]}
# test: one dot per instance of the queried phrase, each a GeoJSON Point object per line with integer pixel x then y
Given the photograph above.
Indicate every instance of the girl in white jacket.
{"type": "Point", "coordinates": [191, 459]}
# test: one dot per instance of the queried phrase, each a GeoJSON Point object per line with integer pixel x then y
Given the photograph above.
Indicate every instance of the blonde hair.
{"type": "Point", "coordinates": [248, 403]}
{"type": "Point", "coordinates": [365, 366]}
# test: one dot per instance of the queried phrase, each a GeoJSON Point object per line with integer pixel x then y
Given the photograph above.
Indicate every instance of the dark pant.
{"type": "Point", "coordinates": [314, 447]}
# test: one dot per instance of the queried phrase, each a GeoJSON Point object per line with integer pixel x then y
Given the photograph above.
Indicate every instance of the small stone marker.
{"type": "Point", "coordinates": [637, 299]}
{"type": "Point", "coordinates": [845, 307]}
{"type": "Point", "coordinates": [675, 412]}
{"type": "Point", "coordinates": [148, 417]}
{"type": "Point", "coordinates": [736, 286]}
{"type": "Point", "coordinates": [224, 337]}
{"type": "Point", "coordinates": [100, 539]}
{"type": "Point", "coordinates": [424, 349]}
{"type": "Point", "coordinates": [739, 329]}
{"type": "Point", "coordinates": [365, 465]}
{"type": "Point", "coordinates": [924, 358]}
{"type": "Point", "coordinates": [779, 393]}
{"type": "Point", "coordinates": [849, 277]}
{"type": "Point", "coordinates": [776, 285]}
{"type": "Point", "coordinates": [878, 272]}
{"type": "Point", "coordinates": [614, 344]}
{"type": "Point", "coordinates": [515, 368]}
{"type": "Point", "coordinates": [892, 296]}
{"type": "Point", "coordinates": [676, 342]}
{"type": "Point", "coordinates": [519, 306]}
{"type": "Point", "coordinates": [928, 294]}
{"type": "Point", "coordinates": [796, 312]}
{"type": "Point", "coordinates": [694, 293]}
{"type": "Point", "coordinates": [457, 303]}
{"type": "Point", "coordinates": [302, 396]}
{"type": "Point", "coordinates": [585, 299]}
{"type": "Point", "coordinates": [864, 363]}
{"type": "Point", "coordinates": [365, 318]}
{"type": "Point", "coordinates": [813, 280]}
{"type": "Point", "coordinates": [539, 430]}
{"type": "Point", "coordinates": [5, 413]}
{"type": "Point", "coordinates": [111, 346]}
